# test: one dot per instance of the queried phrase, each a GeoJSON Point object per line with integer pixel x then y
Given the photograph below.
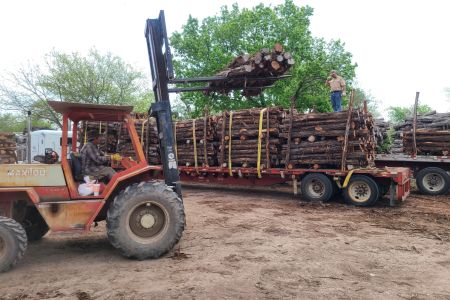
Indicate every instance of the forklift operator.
{"type": "Point", "coordinates": [93, 160]}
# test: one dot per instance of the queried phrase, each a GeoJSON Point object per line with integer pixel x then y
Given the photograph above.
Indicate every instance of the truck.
{"type": "Point", "coordinates": [142, 204]}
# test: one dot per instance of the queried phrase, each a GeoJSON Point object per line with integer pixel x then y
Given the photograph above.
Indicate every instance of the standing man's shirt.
{"type": "Point", "coordinates": [92, 159]}
{"type": "Point", "coordinates": [336, 84]}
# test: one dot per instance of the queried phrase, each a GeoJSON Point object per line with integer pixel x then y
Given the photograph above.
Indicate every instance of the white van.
{"type": "Point", "coordinates": [42, 139]}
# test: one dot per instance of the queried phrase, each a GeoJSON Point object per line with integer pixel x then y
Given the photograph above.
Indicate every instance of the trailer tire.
{"type": "Point", "coordinates": [34, 224]}
{"type": "Point", "coordinates": [317, 187]}
{"type": "Point", "coordinates": [145, 220]}
{"type": "Point", "coordinates": [433, 181]}
{"type": "Point", "coordinates": [13, 243]}
{"type": "Point", "coordinates": [361, 191]}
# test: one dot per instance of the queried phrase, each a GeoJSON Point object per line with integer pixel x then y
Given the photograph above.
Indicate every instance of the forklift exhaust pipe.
{"type": "Point", "coordinates": [29, 137]}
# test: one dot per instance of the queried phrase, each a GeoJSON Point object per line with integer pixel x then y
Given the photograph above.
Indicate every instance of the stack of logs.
{"type": "Point", "coordinates": [7, 148]}
{"type": "Point", "coordinates": [244, 138]}
{"type": "Point", "coordinates": [195, 142]}
{"type": "Point", "coordinates": [432, 135]}
{"type": "Point", "coordinates": [265, 63]}
{"type": "Point", "coordinates": [317, 139]}
{"type": "Point", "coordinates": [381, 132]}
{"type": "Point", "coordinates": [118, 139]}
{"type": "Point", "coordinates": [275, 136]}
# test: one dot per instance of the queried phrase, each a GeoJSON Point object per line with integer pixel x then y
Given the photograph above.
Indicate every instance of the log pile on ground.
{"type": "Point", "coordinates": [195, 142]}
{"type": "Point", "coordinates": [239, 132]}
{"type": "Point", "coordinates": [432, 135]}
{"type": "Point", "coordinates": [317, 139]}
{"type": "Point", "coordinates": [239, 73]}
{"type": "Point", "coordinates": [7, 148]}
{"type": "Point", "coordinates": [106, 129]}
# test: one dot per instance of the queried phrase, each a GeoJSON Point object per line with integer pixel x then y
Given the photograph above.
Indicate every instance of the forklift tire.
{"type": "Point", "coordinates": [13, 243]}
{"type": "Point", "coordinates": [317, 187]}
{"type": "Point", "coordinates": [433, 181]}
{"type": "Point", "coordinates": [145, 220]}
{"type": "Point", "coordinates": [361, 191]}
{"type": "Point", "coordinates": [34, 224]}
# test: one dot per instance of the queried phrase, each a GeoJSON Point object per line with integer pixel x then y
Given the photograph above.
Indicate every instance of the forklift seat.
{"type": "Point", "coordinates": [75, 166]}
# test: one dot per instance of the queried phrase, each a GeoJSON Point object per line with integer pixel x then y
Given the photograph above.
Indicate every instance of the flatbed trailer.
{"type": "Point", "coordinates": [432, 173]}
{"type": "Point", "coordinates": [361, 187]}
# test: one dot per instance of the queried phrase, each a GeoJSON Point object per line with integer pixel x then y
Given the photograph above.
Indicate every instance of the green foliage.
{"type": "Point", "coordinates": [17, 123]}
{"type": "Point", "coordinates": [96, 78]}
{"type": "Point", "coordinates": [398, 114]}
{"type": "Point", "coordinates": [372, 105]}
{"type": "Point", "coordinates": [203, 48]}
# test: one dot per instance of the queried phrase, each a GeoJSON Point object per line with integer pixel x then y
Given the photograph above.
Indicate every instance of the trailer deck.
{"type": "Point", "coordinates": [396, 179]}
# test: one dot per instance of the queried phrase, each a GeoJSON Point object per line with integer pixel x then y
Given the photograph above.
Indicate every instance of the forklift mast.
{"type": "Point", "coordinates": [162, 71]}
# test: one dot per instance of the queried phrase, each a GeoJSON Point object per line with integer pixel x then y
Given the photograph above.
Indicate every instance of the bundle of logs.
{"type": "Point", "coordinates": [318, 139]}
{"type": "Point", "coordinates": [7, 148]}
{"type": "Point", "coordinates": [195, 144]}
{"type": "Point", "coordinates": [253, 72]}
{"type": "Point", "coordinates": [381, 132]}
{"type": "Point", "coordinates": [248, 134]}
{"type": "Point", "coordinates": [118, 140]}
{"type": "Point", "coordinates": [432, 135]}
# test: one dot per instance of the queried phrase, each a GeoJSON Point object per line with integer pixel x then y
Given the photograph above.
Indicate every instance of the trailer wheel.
{"type": "Point", "coordinates": [13, 243]}
{"type": "Point", "coordinates": [34, 224]}
{"type": "Point", "coordinates": [317, 187]}
{"type": "Point", "coordinates": [433, 181]}
{"type": "Point", "coordinates": [145, 220]}
{"type": "Point", "coordinates": [361, 191]}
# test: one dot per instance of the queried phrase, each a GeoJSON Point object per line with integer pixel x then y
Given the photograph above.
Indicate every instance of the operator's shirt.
{"type": "Point", "coordinates": [336, 84]}
{"type": "Point", "coordinates": [92, 159]}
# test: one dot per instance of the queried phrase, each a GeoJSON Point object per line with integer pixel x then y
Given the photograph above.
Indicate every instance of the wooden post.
{"type": "Point", "coordinates": [205, 123]}
{"type": "Point", "coordinates": [222, 142]}
{"type": "Point", "coordinates": [288, 150]}
{"type": "Point", "coordinates": [267, 139]}
{"type": "Point", "coordinates": [347, 131]}
{"type": "Point", "coordinates": [416, 103]}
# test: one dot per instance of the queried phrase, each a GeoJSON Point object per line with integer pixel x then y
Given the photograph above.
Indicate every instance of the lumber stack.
{"type": "Point", "coordinates": [7, 148]}
{"type": "Point", "coordinates": [432, 134]}
{"type": "Point", "coordinates": [243, 70]}
{"type": "Point", "coordinates": [239, 146]}
{"type": "Point", "coordinates": [107, 129]}
{"type": "Point", "coordinates": [317, 139]}
{"type": "Point", "coordinates": [195, 142]}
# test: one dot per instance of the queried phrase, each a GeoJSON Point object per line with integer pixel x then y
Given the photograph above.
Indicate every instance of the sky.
{"type": "Point", "coordinates": [400, 46]}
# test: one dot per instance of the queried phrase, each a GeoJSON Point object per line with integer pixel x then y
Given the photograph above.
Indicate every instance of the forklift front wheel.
{"type": "Point", "coordinates": [145, 220]}
{"type": "Point", "coordinates": [13, 243]}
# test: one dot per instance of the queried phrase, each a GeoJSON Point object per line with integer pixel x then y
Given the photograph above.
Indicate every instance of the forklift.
{"type": "Point", "coordinates": [144, 217]}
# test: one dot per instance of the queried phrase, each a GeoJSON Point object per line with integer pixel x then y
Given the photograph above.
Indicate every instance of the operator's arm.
{"type": "Point", "coordinates": [93, 154]}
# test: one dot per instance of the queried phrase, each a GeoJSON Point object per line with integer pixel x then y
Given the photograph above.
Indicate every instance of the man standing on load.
{"type": "Point", "coordinates": [337, 87]}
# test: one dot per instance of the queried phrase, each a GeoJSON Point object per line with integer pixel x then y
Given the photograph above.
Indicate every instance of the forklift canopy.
{"type": "Point", "coordinates": [94, 112]}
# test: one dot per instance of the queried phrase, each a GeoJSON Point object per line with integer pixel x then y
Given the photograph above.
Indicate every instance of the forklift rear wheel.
{"type": "Point", "coordinates": [433, 181]}
{"type": "Point", "coordinates": [145, 220]}
{"type": "Point", "coordinates": [317, 187]}
{"type": "Point", "coordinates": [34, 224]}
{"type": "Point", "coordinates": [361, 191]}
{"type": "Point", "coordinates": [13, 243]}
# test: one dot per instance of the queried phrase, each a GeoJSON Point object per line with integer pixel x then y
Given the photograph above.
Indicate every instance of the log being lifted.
{"type": "Point", "coordinates": [249, 72]}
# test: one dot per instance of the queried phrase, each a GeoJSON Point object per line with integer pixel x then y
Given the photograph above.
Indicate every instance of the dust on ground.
{"type": "Point", "coordinates": [257, 245]}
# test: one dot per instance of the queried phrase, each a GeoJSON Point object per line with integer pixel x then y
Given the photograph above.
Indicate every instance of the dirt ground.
{"type": "Point", "coordinates": [249, 245]}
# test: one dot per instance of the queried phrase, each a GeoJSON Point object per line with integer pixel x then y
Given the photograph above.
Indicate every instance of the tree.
{"type": "Point", "coordinates": [398, 114]}
{"type": "Point", "coordinates": [96, 78]}
{"type": "Point", "coordinates": [202, 48]}
{"type": "Point", "coordinates": [10, 122]}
